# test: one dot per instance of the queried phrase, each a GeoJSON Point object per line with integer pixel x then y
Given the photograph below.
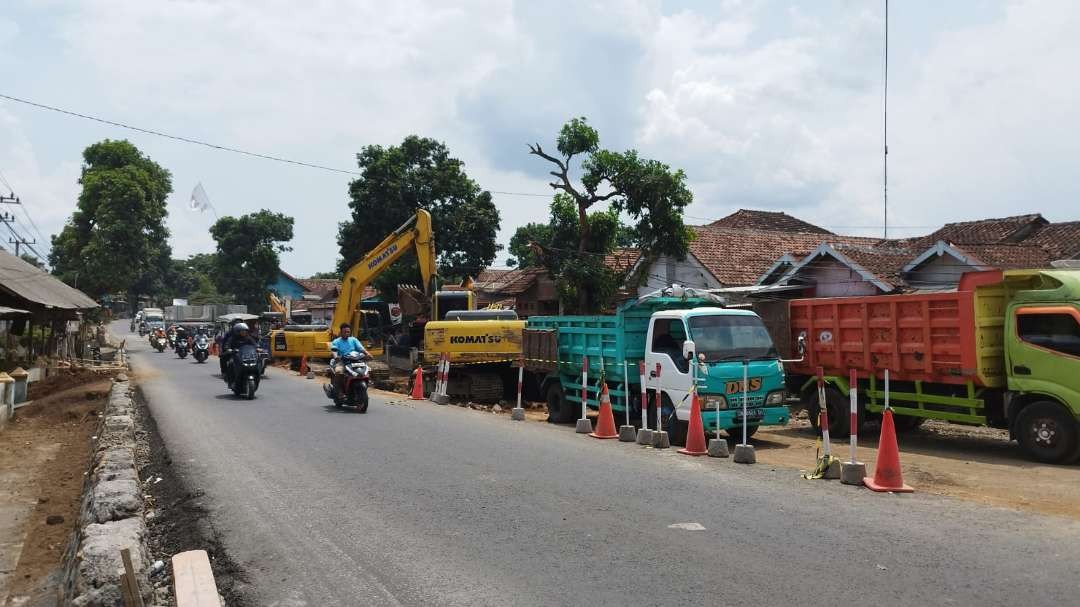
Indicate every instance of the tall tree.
{"type": "Point", "coordinates": [247, 254]}
{"type": "Point", "coordinates": [648, 191]}
{"type": "Point", "coordinates": [395, 181]}
{"type": "Point", "coordinates": [116, 240]}
{"type": "Point", "coordinates": [521, 244]}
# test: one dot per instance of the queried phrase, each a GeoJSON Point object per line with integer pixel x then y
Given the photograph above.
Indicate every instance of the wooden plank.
{"type": "Point", "coordinates": [193, 580]}
{"type": "Point", "coordinates": [128, 581]}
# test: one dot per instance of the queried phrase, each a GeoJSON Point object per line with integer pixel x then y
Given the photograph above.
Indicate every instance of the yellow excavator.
{"type": "Point", "coordinates": [479, 344]}
{"type": "Point", "coordinates": [313, 341]}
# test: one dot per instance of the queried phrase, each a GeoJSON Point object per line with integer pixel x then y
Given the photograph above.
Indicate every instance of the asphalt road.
{"type": "Point", "coordinates": [415, 504]}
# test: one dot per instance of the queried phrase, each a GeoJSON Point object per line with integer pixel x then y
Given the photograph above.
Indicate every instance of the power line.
{"type": "Point", "coordinates": [176, 137]}
{"type": "Point", "coordinates": [22, 207]}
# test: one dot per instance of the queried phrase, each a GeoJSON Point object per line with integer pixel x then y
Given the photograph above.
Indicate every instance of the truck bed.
{"type": "Point", "coordinates": [944, 337]}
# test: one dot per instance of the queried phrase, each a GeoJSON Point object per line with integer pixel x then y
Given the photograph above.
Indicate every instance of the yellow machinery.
{"type": "Point", "coordinates": [480, 343]}
{"type": "Point", "coordinates": [313, 341]}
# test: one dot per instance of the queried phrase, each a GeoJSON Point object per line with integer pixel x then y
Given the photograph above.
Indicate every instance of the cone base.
{"type": "Point", "coordinates": [440, 399]}
{"type": "Point", "coordinates": [718, 447]}
{"type": "Point", "coordinates": [627, 434]}
{"type": "Point", "coordinates": [688, 451]}
{"type": "Point", "coordinates": [603, 436]}
{"type": "Point", "coordinates": [517, 414]}
{"type": "Point", "coordinates": [644, 436]}
{"type": "Point", "coordinates": [660, 439]}
{"type": "Point", "coordinates": [584, 426]}
{"type": "Point", "coordinates": [870, 484]}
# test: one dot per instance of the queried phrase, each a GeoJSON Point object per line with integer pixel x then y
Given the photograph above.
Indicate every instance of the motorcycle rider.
{"type": "Point", "coordinates": [180, 336]}
{"type": "Point", "coordinates": [345, 343]}
{"type": "Point", "coordinates": [240, 335]}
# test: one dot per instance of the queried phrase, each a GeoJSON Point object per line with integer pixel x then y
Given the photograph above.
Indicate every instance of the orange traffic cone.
{"type": "Point", "coordinates": [695, 433]}
{"type": "Point", "coordinates": [605, 424]}
{"type": "Point", "coordinates": [418, 384]}
{"type": "Point", "coordinates": [887, 475]}
{"type": "Point", "coordinates": [303, 365]}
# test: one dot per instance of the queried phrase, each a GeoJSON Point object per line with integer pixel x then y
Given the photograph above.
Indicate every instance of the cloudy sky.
{"type": "Point", "coordinates": [771, 105]}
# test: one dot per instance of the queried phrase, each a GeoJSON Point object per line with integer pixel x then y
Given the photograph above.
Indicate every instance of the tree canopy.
{"type": "Point", "coordinates": [116, 240]}
{"type": "Point", "coordinates": [247, 254]}
{"type": "Point", "coordinates": [395, 181]}
{"type": "Point", "coordinates": [647, 191]}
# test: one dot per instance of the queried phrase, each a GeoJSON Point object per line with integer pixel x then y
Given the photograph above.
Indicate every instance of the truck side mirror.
{"type": "Point", "coordinates": [688, 349]}
{"type": "Point", "coordinates": [801, 344]}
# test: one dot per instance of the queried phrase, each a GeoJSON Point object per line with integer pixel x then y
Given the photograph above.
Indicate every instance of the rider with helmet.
{"type": "Point", "coordinates": [239, 335]}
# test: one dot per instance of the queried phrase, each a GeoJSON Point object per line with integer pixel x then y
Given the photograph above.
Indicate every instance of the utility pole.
{"type": "Point", "coordinates": [19, 242]}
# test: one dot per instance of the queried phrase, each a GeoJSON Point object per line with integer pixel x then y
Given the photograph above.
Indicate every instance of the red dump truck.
{"type": "Point", "coordinates": [1002, 350]}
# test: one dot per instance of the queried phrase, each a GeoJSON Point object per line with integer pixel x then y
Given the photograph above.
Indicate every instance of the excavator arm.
{"type": "Point", "coordinates": [415, 233]}
{"type": "Point", "coordinates": [276, 305]}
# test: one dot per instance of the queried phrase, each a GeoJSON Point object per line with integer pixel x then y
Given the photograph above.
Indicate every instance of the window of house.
{"type": "Point", "coordinates": [1059, 332]}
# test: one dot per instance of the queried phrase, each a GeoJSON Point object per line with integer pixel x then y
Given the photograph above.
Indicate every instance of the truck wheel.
{"type": "Point", "coordinates": [559, 409]}
{"type": "Point", "coordinates": [1047, 432]}
{"type": "Point", "coordinates": [839, 411]}
{"type": "Point", "coordinates": [907, 423]}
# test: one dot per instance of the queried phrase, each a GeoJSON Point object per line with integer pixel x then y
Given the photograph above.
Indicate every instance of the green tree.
{"type": "Point", "coordinates": [116, 240]}
{"type": "Point", "coordinates": [334, 275]}
{"type": "Point", "coordinates": [395, 181]}
{"type": "Point", "coordinates": [187, 276]}
{"type": "Point", "coordinates": [32, 260]}
{"type": "Point", "coordinates": [247, 254]}
{"type": "Point", "coordinates": [647, 191]}
{"type": "Point", "coordinates": [524, 241]}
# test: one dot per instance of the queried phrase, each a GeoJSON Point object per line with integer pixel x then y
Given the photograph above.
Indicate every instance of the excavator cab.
{"type": "Point", "coordinates": [451, 301]}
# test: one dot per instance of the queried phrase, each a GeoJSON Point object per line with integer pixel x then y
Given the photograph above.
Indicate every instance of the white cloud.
{"type": "Point", "coordinates": [764, 105]}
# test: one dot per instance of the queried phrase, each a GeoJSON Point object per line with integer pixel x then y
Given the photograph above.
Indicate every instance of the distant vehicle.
{"type": "Point", "coordinates": [1003, 350]}
{"type": "Point", "coordinates": [200, 349]}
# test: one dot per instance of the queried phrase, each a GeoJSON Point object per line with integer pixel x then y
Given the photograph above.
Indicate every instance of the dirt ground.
{"type": "Point", "coordinates": [970, 463]}
{"type": "Point", "coordinates": [44, 455]}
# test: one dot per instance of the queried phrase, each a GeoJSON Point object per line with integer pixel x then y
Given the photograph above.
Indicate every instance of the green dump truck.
{"type": "Point", "coordinates": [664, 332]}
{"type": "Point", "coordinates": [1002, 350]}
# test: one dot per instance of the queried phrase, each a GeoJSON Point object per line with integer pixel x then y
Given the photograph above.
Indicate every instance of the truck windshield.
{"type": "Point", "coordinates": [731, 337]}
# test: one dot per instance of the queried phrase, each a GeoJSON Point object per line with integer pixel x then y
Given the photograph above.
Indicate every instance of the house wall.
{"type": "Point", "coordinates": [833, 279]}
{"type": "Point", "coordinates": [941, 271]}
{"type": "Point", "coordinates": [666, 271]}
{"type": "Point", "coordinates": [285, 287]}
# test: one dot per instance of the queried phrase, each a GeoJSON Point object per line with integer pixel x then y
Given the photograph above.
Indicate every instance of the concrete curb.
{"type": "Point", "coordinates": [111, 517]}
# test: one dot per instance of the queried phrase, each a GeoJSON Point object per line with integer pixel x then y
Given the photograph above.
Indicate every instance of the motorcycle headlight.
{"type": "Point", "coordinates": [715, 402]}
{"type": "Point", "coordinates": [775, 398]}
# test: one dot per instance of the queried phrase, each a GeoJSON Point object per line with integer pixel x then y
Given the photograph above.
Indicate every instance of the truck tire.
{"type": "Point", "coordinates": [559, 409]}
{"type": "Point", "coordinates": [907, 423]}
{"type": "Point", "coordinates": [1047, 432]}
{"type": "Point", "coordinates": [839, 411]}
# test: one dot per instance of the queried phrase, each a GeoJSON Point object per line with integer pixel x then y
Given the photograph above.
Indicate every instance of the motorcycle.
{"type": "Point", "coordinates": [201, 348]}
{"type": "Point", "coordinates": [181, 347]}
{"type": "Point", "coordinates": [159, 342]}
{"type": "Point", "coordinates": [242, 375]}
{"type": "Point", "coordinates": [350, 390]}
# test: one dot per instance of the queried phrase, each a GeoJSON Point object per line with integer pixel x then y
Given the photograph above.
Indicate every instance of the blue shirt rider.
{"type": "Point", "coordinates": [346, 343]}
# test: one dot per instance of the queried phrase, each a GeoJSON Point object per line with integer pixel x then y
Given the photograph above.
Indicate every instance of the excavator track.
{"type": "Point", "coordinates": [485, 387]}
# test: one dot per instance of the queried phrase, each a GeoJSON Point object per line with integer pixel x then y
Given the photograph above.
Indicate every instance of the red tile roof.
{"type": "Point", "coordinates": [622, 260]}
{"type": "Point", "coordinates": [320, 286]}
{"type": "Point", "coordinates": [767, 220]}
{"type": "Point", "coordinates": [988, 231]}
{"type": "Point", "coordinates": [740, 256]}
{"type": "Point", "coordinates": [1009, 256]}
{"type": "Point", "coordinates": [1061, 240]}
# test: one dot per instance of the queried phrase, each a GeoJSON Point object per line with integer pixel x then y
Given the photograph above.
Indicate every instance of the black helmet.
{"type": "Point", "coordinates": [240, 327]}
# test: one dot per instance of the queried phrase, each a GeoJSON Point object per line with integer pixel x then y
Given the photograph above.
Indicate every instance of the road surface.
{"type": "Point", "coordinates": [415, 504]}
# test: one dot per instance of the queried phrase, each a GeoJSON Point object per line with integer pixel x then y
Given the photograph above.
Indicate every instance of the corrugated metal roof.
{"type": "Point", "coordinates": [33, 284]}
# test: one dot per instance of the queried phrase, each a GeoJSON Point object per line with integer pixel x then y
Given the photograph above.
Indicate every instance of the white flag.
{"type": "Point", "coordinates": [199, 200]}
